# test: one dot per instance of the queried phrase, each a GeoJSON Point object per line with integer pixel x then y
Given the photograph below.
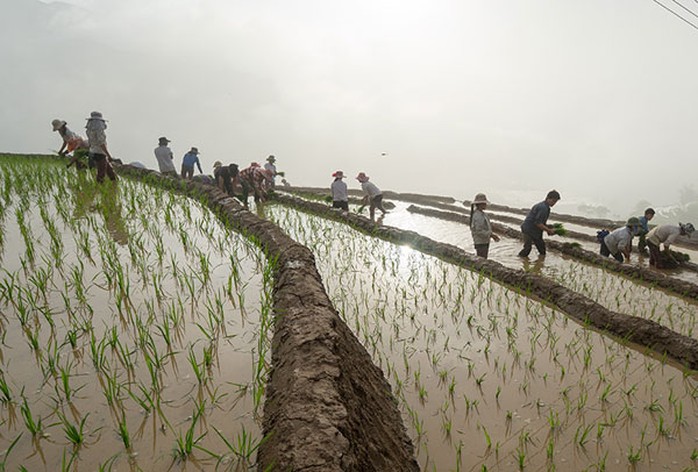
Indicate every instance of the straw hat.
{"type": "Point", "coordinates": [338, 175]}
{"type": "Point", "coordinates": [163, 140]}
{"type": "Point", "coordinates": [57, 124]}
{"type": "Point", "coordinates": [217, 164]}
{"type": "Point", "coordinates": [362, 177]}
{"type": "Point", "coordinates": [271, 158]}
{"type": "Point", "coordinates": [96, 115]}
{"type": "Point", "coordinates": [480, 198]}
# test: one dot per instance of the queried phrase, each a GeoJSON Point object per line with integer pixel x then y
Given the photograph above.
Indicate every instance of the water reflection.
{"type": "Point", "coordinates": [85, 193]}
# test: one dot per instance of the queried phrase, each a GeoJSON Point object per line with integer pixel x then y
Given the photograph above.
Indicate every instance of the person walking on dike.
{"type": "Point", "coordinates": [480, 226]}
{"type": "Point", "coordinates": [97, 138]}
{"type": "Point", "coordinates": [536, 222]}
{"type": "Point", "coordinates": [256, 179]}
{"type": "Point", "coordinates": [644, 229]}
{"type": "Point", "coordinates": [188, 161]}
{"type": "Point", "coordinates": [667, 235]}
{"type": "Point", "coordinates": [340, 194]}
{"type": "Point", "coordinates": [618, 243]}
{"type": "Point", "coordinates": [165, 158]}
{"type": "Point", "coordinates": [373, 195]}
{"type": "Point", "coordinates": [226, 177]}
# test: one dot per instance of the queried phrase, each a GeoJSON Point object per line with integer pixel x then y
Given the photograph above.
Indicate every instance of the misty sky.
{"type": "Point", "coordinates": [595, 98]}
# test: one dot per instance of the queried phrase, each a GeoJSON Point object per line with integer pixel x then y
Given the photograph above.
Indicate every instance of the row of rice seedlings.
{"type": "Point", "coordinates": [474, 363]}
{"type": "Point", "coordinates": [102, 335]}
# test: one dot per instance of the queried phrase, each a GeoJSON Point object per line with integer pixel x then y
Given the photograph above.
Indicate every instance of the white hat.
{"type": "Point", "coordinates": [57, 124]}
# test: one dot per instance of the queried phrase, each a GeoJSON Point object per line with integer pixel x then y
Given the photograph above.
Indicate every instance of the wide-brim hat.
{"type": "Point", "coordinates": [480, 198]}
{"type": "Point", "coordinates": [57, 124]}
{"type": "Point", "coordinates": [217, 164]}
{"type": "Point", "coordinates": [163, 139]}
{"type": "Point", "coordinates": [362, 177]}
{"type": "Point", "coordinates": [194, 150]}
{"type": "Point", "coordinates": [96, 115]}
{"type": "Point", "coordinates": [271, 158]}
{"type": "Point", "coordinates": [338, 175]}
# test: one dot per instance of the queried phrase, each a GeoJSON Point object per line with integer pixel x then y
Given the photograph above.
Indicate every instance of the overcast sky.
{"type": "Point", "coordinates": [595, 98]}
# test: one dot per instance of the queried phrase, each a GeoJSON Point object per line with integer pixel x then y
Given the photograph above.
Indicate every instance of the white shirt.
{"type": "Point", "coordinates": [666, 234]}
{"type": "Point", "coordinates": [271, 167]}
{"type": "Point", "coordinates": [619, 240]}
{"type": "Point", "coordinates": [480, 227]}
{"type": "Point", "coordinates": [339, 191]}
{"type": "Point", "coordinates": [164, 156]}
{"type": "Point", "coordinates": [370, 188]}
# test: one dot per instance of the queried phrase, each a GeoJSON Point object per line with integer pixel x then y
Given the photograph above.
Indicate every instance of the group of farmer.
{"type": "Point", "coordinates": [616, 243]}
{"type": "Point", "coordinates": [229, 178]}
{"type": "Point", "coordinates": [372, 194]}
{"type": "Point", "coordinates": [93, 153]}
{"type": "Point", "coordinates": [94, 148]}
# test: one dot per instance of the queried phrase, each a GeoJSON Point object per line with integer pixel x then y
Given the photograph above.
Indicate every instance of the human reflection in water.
{"type": "Point", "coordinates": [85, 193]}
{"type": "Point", "coordinates": [535, 267]}
{"type": "Point", "coordinates": [111, 211]}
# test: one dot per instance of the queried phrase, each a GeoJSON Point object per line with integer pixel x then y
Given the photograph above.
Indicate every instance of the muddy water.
{"type": "Point", "coordinates": [160, 247]}
{"type": "Point", "coordinates": [485, 376]}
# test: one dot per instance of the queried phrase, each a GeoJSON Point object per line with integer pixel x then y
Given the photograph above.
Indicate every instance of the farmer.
{"type": "Point", "coordinates": [256, 179]}
{"type": "Point", "coordinates": [270, 166]}
{"type": "Point", "coordinates": [618, 243]}
{"type": "Point", "coordinates": [97, 138]}
{"type": "Point", "coordinates": [373, 195]}
{"type": "Point", "coordinates": [667, 235]}
{"type": "Point", "coordinates": [644, 229]}
{"type": "Point", "coordinates": [340, 195]}
{"type": "Point", "coordinates": [226, 177]}
{"type": "Point", "coordinates": [163, 154]}
{"type": "Point", "coordinates": [536, 222]}
{"type": "Point", "coordinates": [188, 161]}
{"type": "Point", "coordinates": [480, 226]}
{"type": "Point", "coordinates": [71, 141]}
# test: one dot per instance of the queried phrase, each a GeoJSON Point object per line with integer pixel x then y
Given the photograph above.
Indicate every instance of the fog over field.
{"type": "Point", "coordinates": [596, 99]}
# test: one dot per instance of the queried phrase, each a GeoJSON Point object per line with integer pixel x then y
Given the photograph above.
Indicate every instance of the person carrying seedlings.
{"type": "Point", "coordinates": [667, 235]}
{"type": "Point", "coordinates": [644, 229]}
{"type": "Point", "coordinates": [271, 167]}
{"type": "Point", "coordinates": [226, 177]}
{"type": "Point", "coordinates": [480, 226]}
{"type": "Point", "coordinates": [373, 195]}
{"type": "Point", "coordinates": [340, 194]}
{"type": "Point", "coordinates": [188, 161]}
{"type": "Point", "coordinates": [618, 243]}
{"type": "Point", "coordinates": [71, 143]}
{"type": "Point", "coordinates": [256, 179]}
{"type": "Point", "coordinates": [97, 138]}
{"type": "Point", "coordinates": [536, 222]}
{"type": "Point", "coordinates": [165, 158]}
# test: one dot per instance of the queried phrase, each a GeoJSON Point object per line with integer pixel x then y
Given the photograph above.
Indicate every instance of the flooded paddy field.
{"type": "Point", "coordinates": [133, 327]}
{"type": "Point", "coordinates": [487, 378]}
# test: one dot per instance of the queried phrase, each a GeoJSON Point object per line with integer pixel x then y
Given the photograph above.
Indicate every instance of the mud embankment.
{"type": "Point", "coordinates": [650, 334]}
{"type": "Point", "coordinates": [328, 407]}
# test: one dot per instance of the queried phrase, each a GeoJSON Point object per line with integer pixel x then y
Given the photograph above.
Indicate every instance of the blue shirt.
{"type": "Point", "coordinates": [190, 159]}
{"type": "Point", "coordinates": [644, 223]}
{"type": "Point", "coordinates": [538, 215]}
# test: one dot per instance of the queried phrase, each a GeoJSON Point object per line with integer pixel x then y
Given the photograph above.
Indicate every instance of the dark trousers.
{"type": "Point", "coordinates": [187, 172]}
{"type": "Point", "coordinates": [103, 168]}
{"type": "Point", "coordinates": [642, 242]}
{"type": "Point", "coordinates": [376, 202]}
{"type": "Point", "coordinates": [655, 256]}
{"type": "Point", "coordinates": [344, 205]}
{"type": "Point", "coordinates": [607, 252]}
{"type": "Point", "coordinates": [529, 242]}
{"type": "Point", "coordinates": [482, 250]}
